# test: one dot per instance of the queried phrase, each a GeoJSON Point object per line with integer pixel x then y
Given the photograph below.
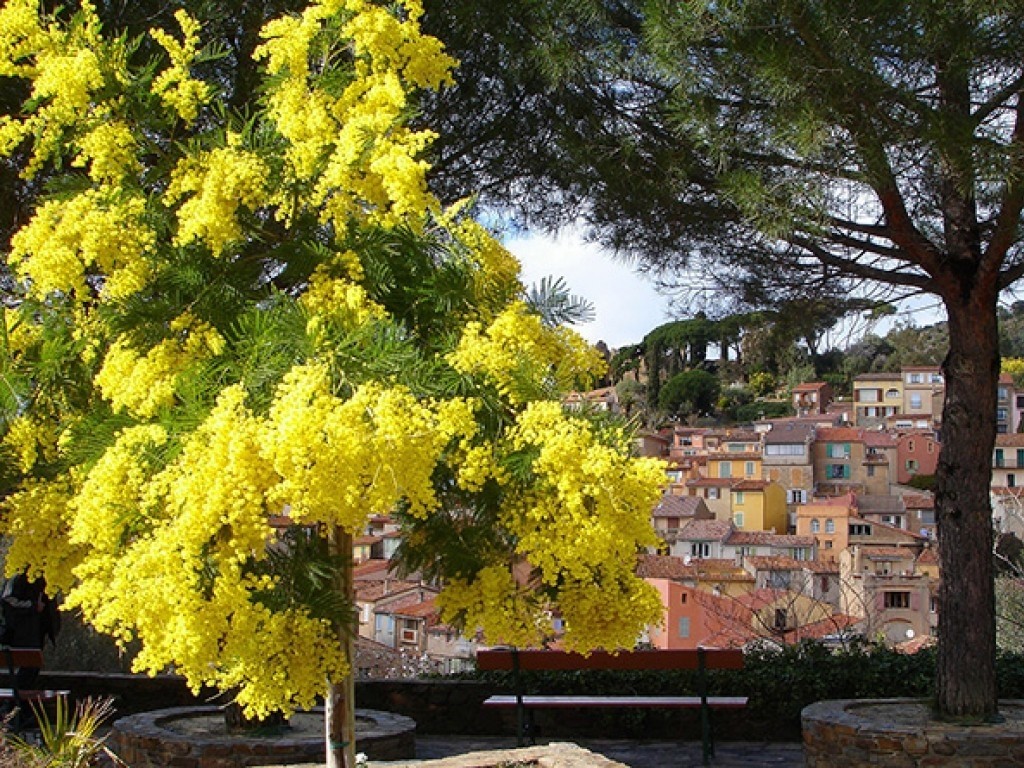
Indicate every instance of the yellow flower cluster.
{"type": "Point", "coordinates": [36, 520]}
{"type": "Point", "coordinates": [343, 459]}
{"type": "Point", "coordinates": [67, 67]}
{"type": "Point", "coordinates": [339, 301]}
{"type": "Point", "coordinates": [496, 280]}
{"type": "Point", "coordinates": [579, 525]}
{"type": "Point", "coordinates": [175, 85]}
{"type": "Point", "coordinates": [29, 437]}
{"type": "Point", "coordinates": [508, 613]}
{"type": "Point", "coordinates": [94, 231]}
{"type": "Point", "coordinates": [523, 358]}
{"type": "Point", "coordinates": [143, 384]}
{"type": "Point", "coordinates": [214, 185]}
{"type": "Point", "coordinates": [109, 152]}
{"type": "Point", "coordinates": [355, 145]}
{"type": "Point", "coordinates": [166, 564]}
{"type": "Point", "coordinates": [112, 497]}
{"type": "Point", "coordinates": [20, 36]}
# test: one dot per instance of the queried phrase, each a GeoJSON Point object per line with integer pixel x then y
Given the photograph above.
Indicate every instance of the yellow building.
{"type": "Point", "coordinates": [759, 505]}
{"type": "Point", "coordinates": [735, 466]}
{"type": "Point", "coordinates": [877, 396]}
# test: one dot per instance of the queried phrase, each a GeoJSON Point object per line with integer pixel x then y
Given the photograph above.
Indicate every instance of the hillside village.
{"type": "Point", "coordinates": [778, 531]}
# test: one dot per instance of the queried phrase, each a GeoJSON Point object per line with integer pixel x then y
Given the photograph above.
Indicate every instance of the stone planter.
{"type": "Point", "coordinates": [900, 733]}
{"type": "Point", "coordinates": [194, 737]}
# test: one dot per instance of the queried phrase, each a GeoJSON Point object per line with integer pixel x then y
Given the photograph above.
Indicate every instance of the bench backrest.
{"type": "Point", "coordinates": [538, 659]}
{"type": "Point", "coordinates": [21, 658]}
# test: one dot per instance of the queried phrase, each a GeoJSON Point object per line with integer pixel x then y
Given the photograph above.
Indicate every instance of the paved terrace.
{"type": "Point", "coordinates": [635, 754]}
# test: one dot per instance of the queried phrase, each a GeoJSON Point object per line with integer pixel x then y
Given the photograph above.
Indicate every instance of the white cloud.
{"type": "Point", "coordinates": [627, 306]}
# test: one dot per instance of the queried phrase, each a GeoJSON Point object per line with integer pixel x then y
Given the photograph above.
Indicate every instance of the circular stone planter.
{"type": "Point", "coordinates": [195, 737]}
{"type": "Point", "coordinates": [900, 733]}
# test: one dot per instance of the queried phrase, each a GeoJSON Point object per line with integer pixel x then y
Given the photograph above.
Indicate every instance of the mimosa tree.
{"type": "Point", "coordinates": [221, 317]}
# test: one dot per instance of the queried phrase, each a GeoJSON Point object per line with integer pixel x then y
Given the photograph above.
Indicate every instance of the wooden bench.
{"type": "Point", "coordinates": [701, 660]}
{"type": "Point", "coordinates": [24, 658]}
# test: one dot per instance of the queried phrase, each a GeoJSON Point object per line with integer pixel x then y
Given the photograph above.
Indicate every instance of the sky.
{"type": "Point", "coordinates": [626, 305]}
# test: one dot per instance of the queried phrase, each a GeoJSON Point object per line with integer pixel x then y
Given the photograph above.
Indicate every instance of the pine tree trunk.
{"type": "Point", "coordinates": [340, 703]}
{"type": "Point", "coordinates": [965, 677]}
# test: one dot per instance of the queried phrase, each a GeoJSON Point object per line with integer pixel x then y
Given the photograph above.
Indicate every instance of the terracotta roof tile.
{"type": "Point", "coordinates": [751, 485]}
{"type": "Point", "coordinates": [711, 482]}
{"type": "Point", "coordinates": [1013, 440]}
{"type": "Point", "coordinates": [919, 501]}
{"type": "Point", "coordinates": [766, 539]}
{"type": "Point", "coordinates": [706, 530]}
{"type": "Point", "coordinates": [663, 567]}
{"type": "Point", "coordinates": [775, 563]}
{"type": "Point", "coordinates": [840, 435]}
{"type": "Point", "coordinates": [671, 505]}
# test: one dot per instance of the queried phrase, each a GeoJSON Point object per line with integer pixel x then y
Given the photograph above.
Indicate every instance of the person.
{"type": "Point", "coordinates": [30, 617]}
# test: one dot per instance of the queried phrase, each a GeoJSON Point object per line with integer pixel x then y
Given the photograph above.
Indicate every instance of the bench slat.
{"type": "Point", "coordinates": [8, 693]}
{"type": "Point", "coordinates": [669, 702]}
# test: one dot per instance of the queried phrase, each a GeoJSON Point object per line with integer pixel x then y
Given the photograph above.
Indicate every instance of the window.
{"type": "Point", "coordinates": [892, 394]}
{"type": "Point", "coordinates": [915, 378]}
{"type": "Point", "coordinates": [871, 470]}
{"type": "Point", "coordinates": [796, 496]}
{"type": "Point", "coordinates": [682, 598]}
{"type": "Point", "coordinates": [868, 395]}
{"type": "Point", "coordinates": [724, 469]}
{"type": "Point", "coordinates": [860, 529]}
{"type": "Point", "coordinates": [1020, 457]}
{"type": "Point", "coordinates": [778, 579]}
{"type": "Point", "coordinates": [737, 519]}
{"type": "Point", "coordinates": [912, 465]}
{"type": "Point", "coordinates": [837, 450]}
{"type": "Point", "coordinates": [830, 526]}
{"type": "Point", "coordinates": [1002, 393]}
{"type": "Point", "coordinates": [999, 457]}
{"type": "Point", "coordinates": [700, 549]}
{"type": "Point", "coordinates": [823, 584]}
{"type": "Point", "coordinates": [896, 599]}
{"type": "Point", "coordinates": [749, 469]}
{"type": "Point", "coordinates": [837, 471]}
{"type": "Point", "coordinates": [915, 402]}
{"type": "Point", "coordinates": [410, 630]}
{"type": "Point", "coordinates": [712, 493]}
{"type": "Point", "coordinates": [740, 497]}
{"type": "Point", "coordinates": [780, 618]}
{"type": "Point", "coordinates": [931, 447]}
{"type": "Point", "coordinates": [1011, 480]}
{"type": "Point", "coordinates": [1001, 414]}
{"type": "Point", "coordinates": [936, 378]}
{"type": "Point", "coordinates": [801, 553]}
{"type": "Point", "coordinates": [684, 626]}
{"type": "Point", "coordinates": [910, 446]}
{"type": "Point", "coordinates": [815, 525]}
{"type": "Point", "coordinates": [787, 449]}
{"type": "Point", "coordinates": [933, 605]}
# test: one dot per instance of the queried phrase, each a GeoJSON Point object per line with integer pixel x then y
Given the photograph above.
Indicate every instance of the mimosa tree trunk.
{"type": "Point", "coordinates": [340, 703]}
{"type": "Point", "coordinates": [965, 677]}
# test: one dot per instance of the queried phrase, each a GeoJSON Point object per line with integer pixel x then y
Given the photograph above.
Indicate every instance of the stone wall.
{"type": "Point", "coordinates": [900, 733]}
